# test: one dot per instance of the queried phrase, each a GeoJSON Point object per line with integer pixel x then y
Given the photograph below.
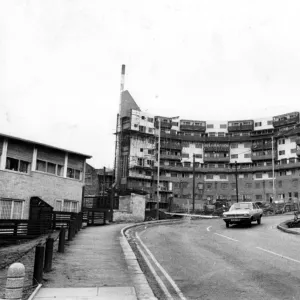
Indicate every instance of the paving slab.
{"type": "Point", "coordinates": [95, 293]}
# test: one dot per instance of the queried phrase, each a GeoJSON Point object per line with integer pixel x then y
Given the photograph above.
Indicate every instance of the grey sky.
{"type": "Point", "coordinates": [60, 64]}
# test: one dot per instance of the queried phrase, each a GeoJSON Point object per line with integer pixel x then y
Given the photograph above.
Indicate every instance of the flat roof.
{"type": "Point", "coordinates": [44, 145]}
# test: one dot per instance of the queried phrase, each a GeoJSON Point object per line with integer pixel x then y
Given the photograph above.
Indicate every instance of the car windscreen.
{"type": "Point", "coordinates": [241, 206]}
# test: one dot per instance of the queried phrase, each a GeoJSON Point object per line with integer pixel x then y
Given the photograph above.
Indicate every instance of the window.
{"type": "Point", "coordinates": [150, 120]}
{"type": "Point", "coordinates": [258, 197]}
{"type": "Point", "coordinates": [223, 126]}
{"type": "Point", "coordinates": [73, 173]}
{"type": "Point", "coordinates": [282, 173]}
{"type": "Point", "coordinates": [17, 165]}
{"type": "Point", "coordinates": [248, 185]}
{"type": "Point", "coordinates": [270, 174]}
{"type": "Point", "coordinates": [270, 122]}
{"type": "Point", "coordinates": [151, 151]}
{"type": "Point", "coordinates": [11, 209]}
{"type": "Point", "coordinates": [295, 182]}
{"type": "Point", "coordinates": [281, 141]}
{"type": "Point", "coordinates": [223, 176]}
{"type": "Point", "coordinates": [51, 168]}
{"type": "Point", "coordinates": [221, 133]}
{"type": "Point", "coordinates": [210, 126]}
{"type": "Point", "coordinates": [185, 155]}
{"type": "Point", "coordinates": [234, 156]}
{"type": "Point", "coordinates": [140, 162]}
{"type": "Point", "coordinates": [173, 174]}
{"type": "Point", "coordinates": [279, 183]}
{"type": "Point", "coordinates": [69, 205]}
{"type": "Point", "coordinates": [257, 185]}
{"type": "Point", "coordinates": [234, 146]}
{"type": "Point", "coordinates": [257, 124]}
{"type": "Point", "coordinates": [259, 175]}
{"type": "Point", "coordinates": [142, 128]}
{"type": "Point", "coordinates": [224, 186]}
{"type": "Point", "coordinates": [141, 150]}
{"type": "Point", "coordinates": [186, 164]}
{"type": "Point", "coordinates": [247, 145]}
{"type": "Point", "coordinates": [209, 186]}
{"type": "Point", "coordinates": [247, 155]}
{"type": "Point", "coordinates": [281, 152]}
{"type": "Point", "coordinates": [198, 145]}
{"type": "Point", "coordinates": [209, 176]}
{"type": "Point", "coordinates": [150, 130]}
{"type": "Point", "coordinates": [233, 185]}
{"type": "Point", "coordinates": [293, 150]}
{"type": "Point", "coordinates": [198, 155]}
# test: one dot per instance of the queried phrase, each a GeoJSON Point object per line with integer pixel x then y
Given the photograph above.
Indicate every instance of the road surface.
{"type": "Point", "coordinates": [202, 259]}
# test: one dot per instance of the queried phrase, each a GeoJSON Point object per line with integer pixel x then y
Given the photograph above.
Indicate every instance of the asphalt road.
{"type": "Point", "coordinates": [208, 261]}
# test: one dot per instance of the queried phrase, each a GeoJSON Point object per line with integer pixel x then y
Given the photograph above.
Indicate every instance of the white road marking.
{"type": "Point", "coordinates": [282, 256]}
{"type": "Point", "coordinates": [174, 285]}
{"type": "Point", "coordinates": [159, 281]}
{"type": "Point", "coordinates": [208, 228]}
{"type": "Point", "coordinates": [227, 237]}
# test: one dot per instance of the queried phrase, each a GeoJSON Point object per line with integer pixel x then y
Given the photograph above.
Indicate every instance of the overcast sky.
{"type": "Point", "coordinates": [60, 64]}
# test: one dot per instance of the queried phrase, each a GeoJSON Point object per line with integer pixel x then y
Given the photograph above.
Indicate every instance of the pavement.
{"type": "Point", "coordinates": [98, 264]}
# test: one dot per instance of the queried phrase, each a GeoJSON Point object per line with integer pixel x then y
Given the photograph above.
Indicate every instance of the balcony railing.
{"type": "Point", "coordinates": [241, 127]}
{"type": "Point", "coordinates": [216, 148]}
{"type": "Point", "coordinates": [262, 157]}
{"type": "Point", "coordinates": [265, 146]}
{"type": "Point", "coordinates": [286, 122]}
{"type": "Point", "coordinates": [217, 159]}
{"type": "Point", "coordinates": [170, 146]}
{"type": "Point", "coordinates": [192, 128]}
{"type": "Point", "coordinates": [170, 156]}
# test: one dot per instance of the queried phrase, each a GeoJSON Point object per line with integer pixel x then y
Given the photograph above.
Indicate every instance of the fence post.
{"type": "Point", "coordinates": [48, 255]}
{"type": "Point", "coordinates": [61, 242]}
{"type": "Point", "coordinates": [15, 281]}
{"type": "Point", "coordinates": [70, 235]}
{"type": "Point", "coordinates": [38, 264]}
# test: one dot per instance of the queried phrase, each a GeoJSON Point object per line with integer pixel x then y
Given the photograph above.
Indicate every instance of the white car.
{"type": "Point", "coordinates": [243, 212]}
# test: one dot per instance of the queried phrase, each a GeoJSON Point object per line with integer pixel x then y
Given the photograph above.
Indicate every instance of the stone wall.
{"type": "Point", "coordinates": [131, 209]}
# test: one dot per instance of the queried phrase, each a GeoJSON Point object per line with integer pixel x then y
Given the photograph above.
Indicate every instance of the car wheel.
{"type": "Point", "coordinates": [259, 221]}
{"type": "Point", "coordinates": [227, 224]}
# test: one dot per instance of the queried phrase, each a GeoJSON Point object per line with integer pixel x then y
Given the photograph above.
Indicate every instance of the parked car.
{"type": "Point", "coordinates": [243, 212]}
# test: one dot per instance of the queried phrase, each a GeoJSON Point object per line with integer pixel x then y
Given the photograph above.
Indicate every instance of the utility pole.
{"type": "Point", "coordinates": [158, 170]}
{"type": "Point", "coordinates": [273, 171]}
{"type": "Point", "coordinates": [193, 183]}
{"type": "Point", "coordinates": [236, 183]}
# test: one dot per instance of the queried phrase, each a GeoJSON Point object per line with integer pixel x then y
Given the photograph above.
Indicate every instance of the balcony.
{"type": "Point", "coordinates": [170, 156]}
{"type": "Point", "coordinates": [240, 127]}
{"type": "Point", "coordinates": [192, 128]}
{"type": "Point", "coordinates": [262, 146]}
{"type": "Point", "coordinates": [217, 159]}
{"type": "Point", "coordinates": [267, 156]}
{"type": "Point", "coordinates": [285, 121]}
{"type": "Point", "coordinates": [166, 125]}
{"type": "Point", "coordinates": [176, 146]}
{"type": "Point", "coordinates": [216, 148]}
{"type": "Point", "coordinates": [217, 139]}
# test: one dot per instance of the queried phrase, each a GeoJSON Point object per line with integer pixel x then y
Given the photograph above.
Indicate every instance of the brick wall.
{"type": "Point", "coordinates": [48, 187]}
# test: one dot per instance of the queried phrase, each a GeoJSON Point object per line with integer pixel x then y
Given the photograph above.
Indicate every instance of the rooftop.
{"type": "Point", "coordinates": [42, 144]}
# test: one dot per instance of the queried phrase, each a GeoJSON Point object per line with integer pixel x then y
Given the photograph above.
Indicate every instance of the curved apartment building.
{"type": "Point", "coordinates": [219, 156]}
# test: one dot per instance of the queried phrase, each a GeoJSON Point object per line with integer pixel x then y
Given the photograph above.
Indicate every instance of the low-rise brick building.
{"type": "Point", "coordinates": [31, 170]}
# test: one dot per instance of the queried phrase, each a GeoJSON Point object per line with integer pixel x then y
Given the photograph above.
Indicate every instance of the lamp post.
{"type": "Point", "coordinates": [193, 183]}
